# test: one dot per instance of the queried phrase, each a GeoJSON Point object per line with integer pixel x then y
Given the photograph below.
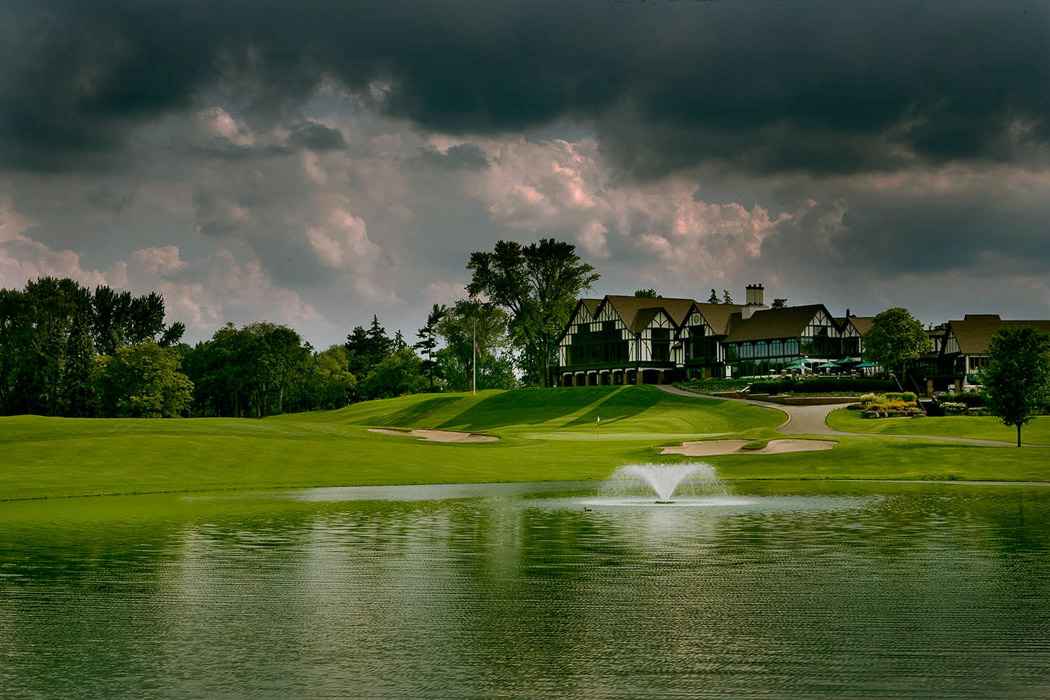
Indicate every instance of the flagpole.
{"type": "Point", "coordinates": [474, 358]}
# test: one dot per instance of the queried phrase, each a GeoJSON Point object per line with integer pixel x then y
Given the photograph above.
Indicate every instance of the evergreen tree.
{"type": "Point", "coordinates": [726, 299]}
{"type": "Point", "coordinates": [713, 299]}
{"type": "Point", "coordinates": [427, 344]}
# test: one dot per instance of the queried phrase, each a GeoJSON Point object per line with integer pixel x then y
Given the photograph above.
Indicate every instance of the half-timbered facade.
{"type": "Point", "coordinates": [964, 349]}
{"type": "Point", "coordinates": [775, 339]}
{"type": "Point", "coordinates": [621, 340]}
{"type": "Point", "coordinates": [635, 340]}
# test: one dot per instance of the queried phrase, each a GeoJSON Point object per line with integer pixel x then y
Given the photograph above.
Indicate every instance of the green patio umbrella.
{"type": "Point", "coordinates": [797, 364]}
{"type": "Point", "coordinates": [828, 365]}
{"type": "Point", "coordinates": [862, 365]}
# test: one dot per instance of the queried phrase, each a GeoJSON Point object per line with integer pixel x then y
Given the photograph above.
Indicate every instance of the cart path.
{"type": "Point", "coordinates": [812, 420]}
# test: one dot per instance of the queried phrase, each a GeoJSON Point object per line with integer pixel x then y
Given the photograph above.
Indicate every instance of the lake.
{"type": "Point", "coordinates": [786, 589]}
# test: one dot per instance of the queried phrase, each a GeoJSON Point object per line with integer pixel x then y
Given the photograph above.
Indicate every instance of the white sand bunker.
{"type": "Point", "coordinates": [706, 448]}
{"type": "Point", "coordinates": [438, 435]}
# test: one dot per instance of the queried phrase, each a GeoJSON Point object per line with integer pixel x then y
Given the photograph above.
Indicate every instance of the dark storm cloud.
{"type": "Point", "coordinates": [821, 87]}
{"type": "Point", "coordinates": [884, 234]}
{"type": "Point", "coordinates": [316, 137]}
{"type": "Point", "coordinates": [465, 156]}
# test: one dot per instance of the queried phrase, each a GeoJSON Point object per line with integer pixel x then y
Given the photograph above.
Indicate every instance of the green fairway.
{"type": "Point", "coordinates": [972, 427]}
{"type": "Point", "coordinates": [544, 435]}
{"type": "Point", "coordinates": [547, 434]}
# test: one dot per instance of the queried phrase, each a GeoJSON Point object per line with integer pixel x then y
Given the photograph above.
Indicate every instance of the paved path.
{"type": "Point", "coordinates": [812, 420]}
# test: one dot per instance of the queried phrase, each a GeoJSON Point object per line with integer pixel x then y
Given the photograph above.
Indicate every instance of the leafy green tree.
{"type": "Point", "coordinates": [399, 374]}
{"type": "Point", "coordinates": [713, 299]}
{"type": "Point", "coordinates": [331, 383]}
{"type": "Point", "coordinates": [428, 336]}
{"type": "Point", "coordinates": [538, 285]}
{"type": "Point", "coordinates": [647, 294]}
{"type": "Point", "coordinates": [143, 381]}
{"type": "Point", "coordinates": [779, 304]}
{"type": "Point", "coordinates": [16, 334]}
{"type": "Point", "coordinates": [280, 353]}
{"type": "Point", "coordinates": [1017, 379]}
{"type": "Point", "coordinates": [469, 327]}
{"type": "Point", "coordinates": [894, 338]}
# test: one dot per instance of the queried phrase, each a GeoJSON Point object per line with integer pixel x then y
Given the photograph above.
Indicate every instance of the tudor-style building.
{"type": "Point", "coordinates": [621, 340]}
{"type": "Point", "coordinates": [636, 340]}
{"type": "Point", "coordinates": [963, 351]}
{"type": "Point", "coordinates": [775, 339]}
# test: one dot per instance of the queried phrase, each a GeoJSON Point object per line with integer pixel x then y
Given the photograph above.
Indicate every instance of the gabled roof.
{"type": "Point", "coordinates": [717, 315]}
{"type": "Point", "coordinates": [975, 331]}
{"type": "Point", "coordinates": [770, 324]}
{"type": "Point", "coordinates": [630, 308]}
{"type": "Point", "coordinates": [861, 323]}
{"type": "Point", "coordinates": [592, 305]}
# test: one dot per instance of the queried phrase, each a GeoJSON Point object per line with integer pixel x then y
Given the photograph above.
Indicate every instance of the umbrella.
{"type": "Point", "coordinates": [848, 361]}
{"type": "Point", "coordinates": [797, 364]}
{"type": "Point", "coordinates": [827, 365]}
{"type": "Point", "coordinates": [864, 364]}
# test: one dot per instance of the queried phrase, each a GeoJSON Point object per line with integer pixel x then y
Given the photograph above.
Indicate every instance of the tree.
{"type": "Point", "coordinates": [894, 338]}
{"type": "Point", "coordinates": [713, 299]}
{"type": "Point", "coordinates": [538, 285]}
{"type": "Point", "coordinates": [366, 348]}
{"type": "Point", "coordinates": [327, 381]}
{"type": "Point", "coordinates": [779, 304]}
{"type": "Point", "coordinates": [1017, 379]}
{"type": "Point", "coordinates": [143, 381]}
{"type": "Point", "coordinates": [647, 294]}
{"type": "Point", "coordinates": [471, 325]}
{"type": "Point", "coordinates": [281, 352]}
{"type": "Point", "coordinates": [726, 299]}
{"type": "Point", "coordinates": [428, 340]}
{"type": "Point", "coordinates": [397, 375]}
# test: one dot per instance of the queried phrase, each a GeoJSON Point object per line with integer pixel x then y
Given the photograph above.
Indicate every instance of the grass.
{"type": "Point", "coordinates": [545, 435]}
{"type": "Point", "coordinates": [972, 427]}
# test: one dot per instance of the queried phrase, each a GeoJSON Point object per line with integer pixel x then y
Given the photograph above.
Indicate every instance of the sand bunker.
{"type": "Point", "coordinates": [438, 435]}
{"type": "Point", "coordinates": [706, 448]}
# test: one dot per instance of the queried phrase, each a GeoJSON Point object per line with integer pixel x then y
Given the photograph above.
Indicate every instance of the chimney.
{"type": "Point", "coordinates": [756, 295]}
{"type": "Point", "coordinates": [755, 300]}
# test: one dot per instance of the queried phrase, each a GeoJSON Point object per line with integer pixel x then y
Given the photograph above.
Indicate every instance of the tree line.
{"type": "Point", "coordinates": [66, 350]}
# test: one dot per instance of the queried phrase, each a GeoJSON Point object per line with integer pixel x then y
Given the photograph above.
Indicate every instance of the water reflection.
{"type": "Point", "coordinates": [800, 590]}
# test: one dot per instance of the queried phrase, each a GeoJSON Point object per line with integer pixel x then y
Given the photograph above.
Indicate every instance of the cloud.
{"type": "Point", "coordinates": [23, 259]}
{"type": "Point", "coordinates": [756, 88]}
{"type": "Point", "coordinates": [316, 137]}
{"type": "Point", "coordinates": [464, 156]}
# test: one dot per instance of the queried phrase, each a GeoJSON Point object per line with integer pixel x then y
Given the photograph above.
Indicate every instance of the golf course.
{"type": "Point", "coordinates": [543, 435]}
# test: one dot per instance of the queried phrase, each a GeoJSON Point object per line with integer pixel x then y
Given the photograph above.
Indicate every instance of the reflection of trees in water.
{"type": "Point", "coordinates": [915, 583]}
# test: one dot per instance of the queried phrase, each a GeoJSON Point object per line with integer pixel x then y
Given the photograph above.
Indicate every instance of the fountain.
{"type": "Point", "coordinates": [665, 479]}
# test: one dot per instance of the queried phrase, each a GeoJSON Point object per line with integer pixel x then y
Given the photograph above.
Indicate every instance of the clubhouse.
{"type": "Point", "coordinates": [644, 340]}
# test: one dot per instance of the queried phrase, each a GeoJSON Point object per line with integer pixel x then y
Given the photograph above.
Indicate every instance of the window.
{"type": "Point", "coordinates": [661, 340]}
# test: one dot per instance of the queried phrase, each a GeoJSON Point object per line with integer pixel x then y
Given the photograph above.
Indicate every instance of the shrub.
{"type": "Point", "coordinates": [970, 399]}
{"type": "Point", "coordinates": [890, 406]}
{"type": "Point", "coordinates": [952, 408]}
{"type": "Point", "coordinates": [712, 386]}
{"type": "Point", "coordinates": [907, 396]}
{"type": "Point", "coordinates": [821, 385]}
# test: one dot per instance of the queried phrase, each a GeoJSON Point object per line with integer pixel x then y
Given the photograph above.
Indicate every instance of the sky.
{"type": "Point", "coordinates": [316, 162]}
